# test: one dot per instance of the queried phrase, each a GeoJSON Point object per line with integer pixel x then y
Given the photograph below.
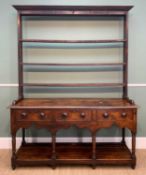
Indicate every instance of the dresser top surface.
{"type": "Point", "coordinates": [73, 103]}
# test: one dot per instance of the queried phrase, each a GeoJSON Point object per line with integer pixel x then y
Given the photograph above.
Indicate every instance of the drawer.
{"type": "Point", "coordinates": [33, 115]}
{"type": "Point", "coordinates": [114, 114]}
{"type": "Point", "coordinates": [73, 115]}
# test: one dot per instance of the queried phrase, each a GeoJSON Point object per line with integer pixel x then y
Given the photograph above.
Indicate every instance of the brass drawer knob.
{"type": "Point", "coordinates": [105, 115]}
{"type": "Point", "coordinates": [42, 115]}
{"type": "Point", "coordinates": [23, 115]}
{"type": "Point", "coordinates": [124, 114]}
{"type": "Point", "coordinates": [64, 115]}
{"type": "Point", "coordinates": [83, 115]}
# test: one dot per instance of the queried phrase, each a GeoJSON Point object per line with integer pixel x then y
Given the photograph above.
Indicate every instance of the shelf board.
{"type": "Point", "coordinates": [31, 152]}
{"type": "Point", "coordinates": [71, 41]}
{"type": "Point", "coordinates": [74, 153]}
{"type": "Point", "coordinates": [74, 84]}
{"type": "Point", "coordinates": [73, 64]}
{"type": "Point", "coordinates": [80, 67]}
{"type": "Point", "coordinates": [105, 151]}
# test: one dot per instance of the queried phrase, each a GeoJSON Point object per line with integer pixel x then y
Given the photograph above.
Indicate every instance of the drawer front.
{"type": "Point", "coordinates": [33, 115]}
{"type": "Point", "coordinates": [114, 114]}
{"type": "Point", "coordinates": [73, 115]}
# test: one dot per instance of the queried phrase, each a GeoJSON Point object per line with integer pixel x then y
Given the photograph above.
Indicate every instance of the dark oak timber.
{"type": "Point", "coordinates": [41, 10]}
{"type": "Point", "coordinates": [88, 67]}
{"type": "Point", "coordinates": [71, 41]}
{"type": "Point", "coordinates": [74, 154]}
{"type": "Point", "coordinates": [75, 84]}
{"type": "Point", "coordinates": [32, 8]}
{"type": "Point", "coordinates": [54, 114]}
{"type": "Point", "coordinates": [78, 64]}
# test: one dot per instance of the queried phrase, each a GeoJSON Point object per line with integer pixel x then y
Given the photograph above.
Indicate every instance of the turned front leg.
{"type": "Point", "coordinates": [23, 136]}
{"type": "Point", "coordinates": [94, 150]}
{"type": "Point", "coordinates": [13, 158]}
{"type": "Point", "coordinates": [123, 135]}
{"type": "Point", "coordinates": [133, 150]}
{"type": "Point", "coordinates": [53, 150]}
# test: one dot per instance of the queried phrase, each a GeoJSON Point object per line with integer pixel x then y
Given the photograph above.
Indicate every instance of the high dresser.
{"type": "Point", "coordinates": [58, 113]}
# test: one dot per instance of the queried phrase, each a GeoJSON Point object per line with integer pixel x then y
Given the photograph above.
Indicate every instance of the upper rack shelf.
{"type": "Point", "coordinates": [74, 84]}
{"type": "Point", "coordinates": [71, 41]}
{"type": "Point", "coordinates": [73, 64]}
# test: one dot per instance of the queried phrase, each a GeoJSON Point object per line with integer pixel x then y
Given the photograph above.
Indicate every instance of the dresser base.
{"type": "Point", "coordinates": [55, 114]}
